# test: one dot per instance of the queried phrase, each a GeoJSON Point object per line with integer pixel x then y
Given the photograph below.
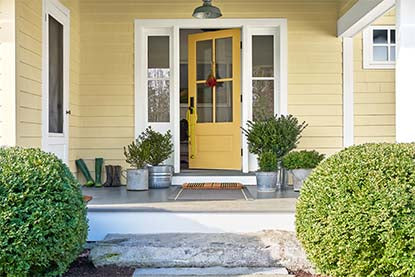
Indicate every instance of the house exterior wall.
{"type": "Point", "coordinates": [102, 72]}
{"type": "Point", "coordinates": [374, 96]}
{"type": "Point", "coordinates": [7, 73]}
{"type": "Point", "coordinates": [107, 68]}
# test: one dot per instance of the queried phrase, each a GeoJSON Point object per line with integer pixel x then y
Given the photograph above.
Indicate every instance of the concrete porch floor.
{"type": "Point", "coordinates": [156, 200]}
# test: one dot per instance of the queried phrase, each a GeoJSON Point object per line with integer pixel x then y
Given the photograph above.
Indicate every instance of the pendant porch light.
{"type": "Point", "coordinates": [207, 10]}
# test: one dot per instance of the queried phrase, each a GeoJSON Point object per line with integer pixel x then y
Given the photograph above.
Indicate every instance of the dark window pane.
{"type": "Point", "coordinates": [224, 102]}
{"type": "Point", "coordinates": [262, 56]}
{"type": "Point", "coordinates": [223, 58]}
{"type": "Point", "coordinates": [263, 99]}
{"type": "Point", "coordinates": [393, 39]}
{"type": "Point", "coordinates": [380, 36]}
{"type": "Point", "coordinates": [55, 76]}
{"type": "Point", "coordinates": [203, 59]}
{"type": "Point", "coordinates": [158, 101]}
{"type": "Point", "coordinates": [158, 52]}
{"type": "Point", "coordinates": [204, 103]}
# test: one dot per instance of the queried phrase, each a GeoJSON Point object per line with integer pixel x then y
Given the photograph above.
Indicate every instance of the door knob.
{"type": "Point", "coordinates": [68, 112]}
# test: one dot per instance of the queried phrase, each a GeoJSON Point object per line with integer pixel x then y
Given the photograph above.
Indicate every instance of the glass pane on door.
{"type": "Point", "coordinates": [223, 61]}
{"type": "Point", "coordinates": [55, 76]}
{"type": "Point", "coordinates": [204, 103]}
{"type": "Point", "coordinates": [203, 59]}
{"type": "Point", "coordinates": [224, 102]}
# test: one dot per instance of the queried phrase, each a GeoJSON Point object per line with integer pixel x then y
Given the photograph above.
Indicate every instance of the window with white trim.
{"type": "Point", "coordinates": [379, 47]}
{"type": "Point", "coordinates": [264, 73]}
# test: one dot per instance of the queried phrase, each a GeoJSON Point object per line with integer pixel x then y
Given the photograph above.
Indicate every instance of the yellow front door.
{"type": "Point", "coordinates": [214, 110]}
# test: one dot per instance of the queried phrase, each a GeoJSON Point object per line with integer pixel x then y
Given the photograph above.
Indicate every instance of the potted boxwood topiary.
{"type": "Point", "coordinates": [278, 135]}
{"type": "Point", "coordinates": [160, 176]}
{"type": "Point", "coordinates": [267, 175]}
{"type": "Point", "coordinates": [301, 163]}
{"type": "Point", "coordinates": [137, 155]}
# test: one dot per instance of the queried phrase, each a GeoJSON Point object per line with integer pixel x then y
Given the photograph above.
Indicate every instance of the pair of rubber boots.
{"type": "Point", "coordinates": [113, 174]}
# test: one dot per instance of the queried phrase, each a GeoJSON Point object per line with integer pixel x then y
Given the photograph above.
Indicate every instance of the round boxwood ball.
{"type": "Point", "coordinates": [42, 214]}
{"type": "Point", "coordinates": [356, 212]}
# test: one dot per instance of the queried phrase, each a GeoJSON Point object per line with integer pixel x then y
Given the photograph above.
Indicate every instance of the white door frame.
{"type": "Point", "coordinates": [62, 14]}
{"type": "Point", "coordinates": [145, 26]}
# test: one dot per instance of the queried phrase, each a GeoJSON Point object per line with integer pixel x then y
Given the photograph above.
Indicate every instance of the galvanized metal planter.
{"type": "Point", "coordinates": [137, 179]}
{"type": "Point", "coordinates": [266, 181]}
{"type": "Point", "coordinates": [160, 176]}
{"type": "Point", "coordinates": [299, 175]}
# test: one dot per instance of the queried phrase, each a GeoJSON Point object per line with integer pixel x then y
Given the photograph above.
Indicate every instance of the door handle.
{"type": "Point", "coordinates": [68, 112]}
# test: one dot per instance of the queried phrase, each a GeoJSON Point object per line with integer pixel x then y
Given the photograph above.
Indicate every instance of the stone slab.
{"type": "Point", "coordinates": [260, 249]}
{"type": "Point", "coordinates": [211, 271]}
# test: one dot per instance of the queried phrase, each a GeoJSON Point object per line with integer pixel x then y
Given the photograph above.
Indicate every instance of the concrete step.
{"type": "Point", "coordinates": [266, 249]}
{"type": "Point", "coordinates": [212, 271]}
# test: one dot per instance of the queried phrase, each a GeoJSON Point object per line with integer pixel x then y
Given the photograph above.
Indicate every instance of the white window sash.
{"type": "Point", "coordinates": [368, 45]}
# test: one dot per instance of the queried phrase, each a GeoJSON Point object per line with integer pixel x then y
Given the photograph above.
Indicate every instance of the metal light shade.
{"type": "Point", "coordinates": [207, 11]}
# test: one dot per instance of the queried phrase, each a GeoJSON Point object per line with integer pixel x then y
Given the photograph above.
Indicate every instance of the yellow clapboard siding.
{"type": "Point", "coordinates": [373, 120]}
{"type": "Point", "coordinates": [371, 139]}
{"type": "Point", "coordinates": [374, 96]}
{"type": "Point", "coordinates": [375, 131]}
{"type": "Point", "coordinates": [316, 99]}
{"type": "Point", "coordinates": [28, 72]}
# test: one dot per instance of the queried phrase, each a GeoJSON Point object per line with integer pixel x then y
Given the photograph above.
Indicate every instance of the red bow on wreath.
{"type": "Point", "coordinates": [211, 81]}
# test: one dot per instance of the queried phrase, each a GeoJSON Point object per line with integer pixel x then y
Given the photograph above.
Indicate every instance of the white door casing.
{"type": "Point", "coordinates": [171, 27]}
{"type": "Point", "coordinates": [57, 143]}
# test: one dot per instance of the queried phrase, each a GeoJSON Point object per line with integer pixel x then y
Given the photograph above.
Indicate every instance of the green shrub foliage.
{"type": "Point", "coordinates": [268, 162]}
{"type": "Point", "coordinates": [43, 222]}
{"type": "Point", "coordinates": [302, 159]}
{"type": "Point", "coordinates": [161, 145]}
{"type": "Point", "coordinates": [356, 212]}
{"type": "Point", "coordinates": [137, 153]}
{"type": "Point", "coordinates": [279, 134]}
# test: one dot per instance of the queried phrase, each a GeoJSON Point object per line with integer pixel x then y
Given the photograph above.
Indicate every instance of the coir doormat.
{"type": "Point", "coordinates": [210, 192]}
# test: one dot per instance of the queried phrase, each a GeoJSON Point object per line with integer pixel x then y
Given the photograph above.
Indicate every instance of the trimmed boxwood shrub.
{"type": "Point", "coordinates": [42, 214]}
{"type": "Point", "coordinates": [302, 159]}
{"type": "Point", "coordinates": [356, 212]}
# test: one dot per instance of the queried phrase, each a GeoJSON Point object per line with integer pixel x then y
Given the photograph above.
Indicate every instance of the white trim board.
{"type": "Point", "coordinates": [102, 223]}
{"type": "Point", "coordinates": [172, 28]}
{"type": "Point", "coordinates": [348, 91]}
{"type": "Point", "coordinates": [361, 15]}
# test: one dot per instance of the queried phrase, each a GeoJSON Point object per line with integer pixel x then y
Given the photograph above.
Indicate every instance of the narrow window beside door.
{"type": "Point", "coordinates": [158, 74]}
{"type": "Point", "coordinates": [263, 76]}
{"type": "Point", "coordinates": [55, 76]}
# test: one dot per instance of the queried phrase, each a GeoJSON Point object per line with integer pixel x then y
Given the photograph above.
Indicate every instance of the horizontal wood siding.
{"type": "Point", "coordinates": [374, 96]}
{"type": "Point", "coordinates": [7, 73]}
{"type": "Point", "coordinates": [29, 72]}
{"type": "Point", "coordinates": [107, 68]}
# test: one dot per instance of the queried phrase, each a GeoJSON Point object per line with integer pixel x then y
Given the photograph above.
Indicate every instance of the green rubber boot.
{"type": "Point", "coordinates": [84, 170]}
{"type": "Point", "coordinates": [98, 171]}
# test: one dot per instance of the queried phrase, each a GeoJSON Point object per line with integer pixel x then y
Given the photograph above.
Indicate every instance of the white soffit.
{"type": "Point", "coordinates": [361, 15]}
